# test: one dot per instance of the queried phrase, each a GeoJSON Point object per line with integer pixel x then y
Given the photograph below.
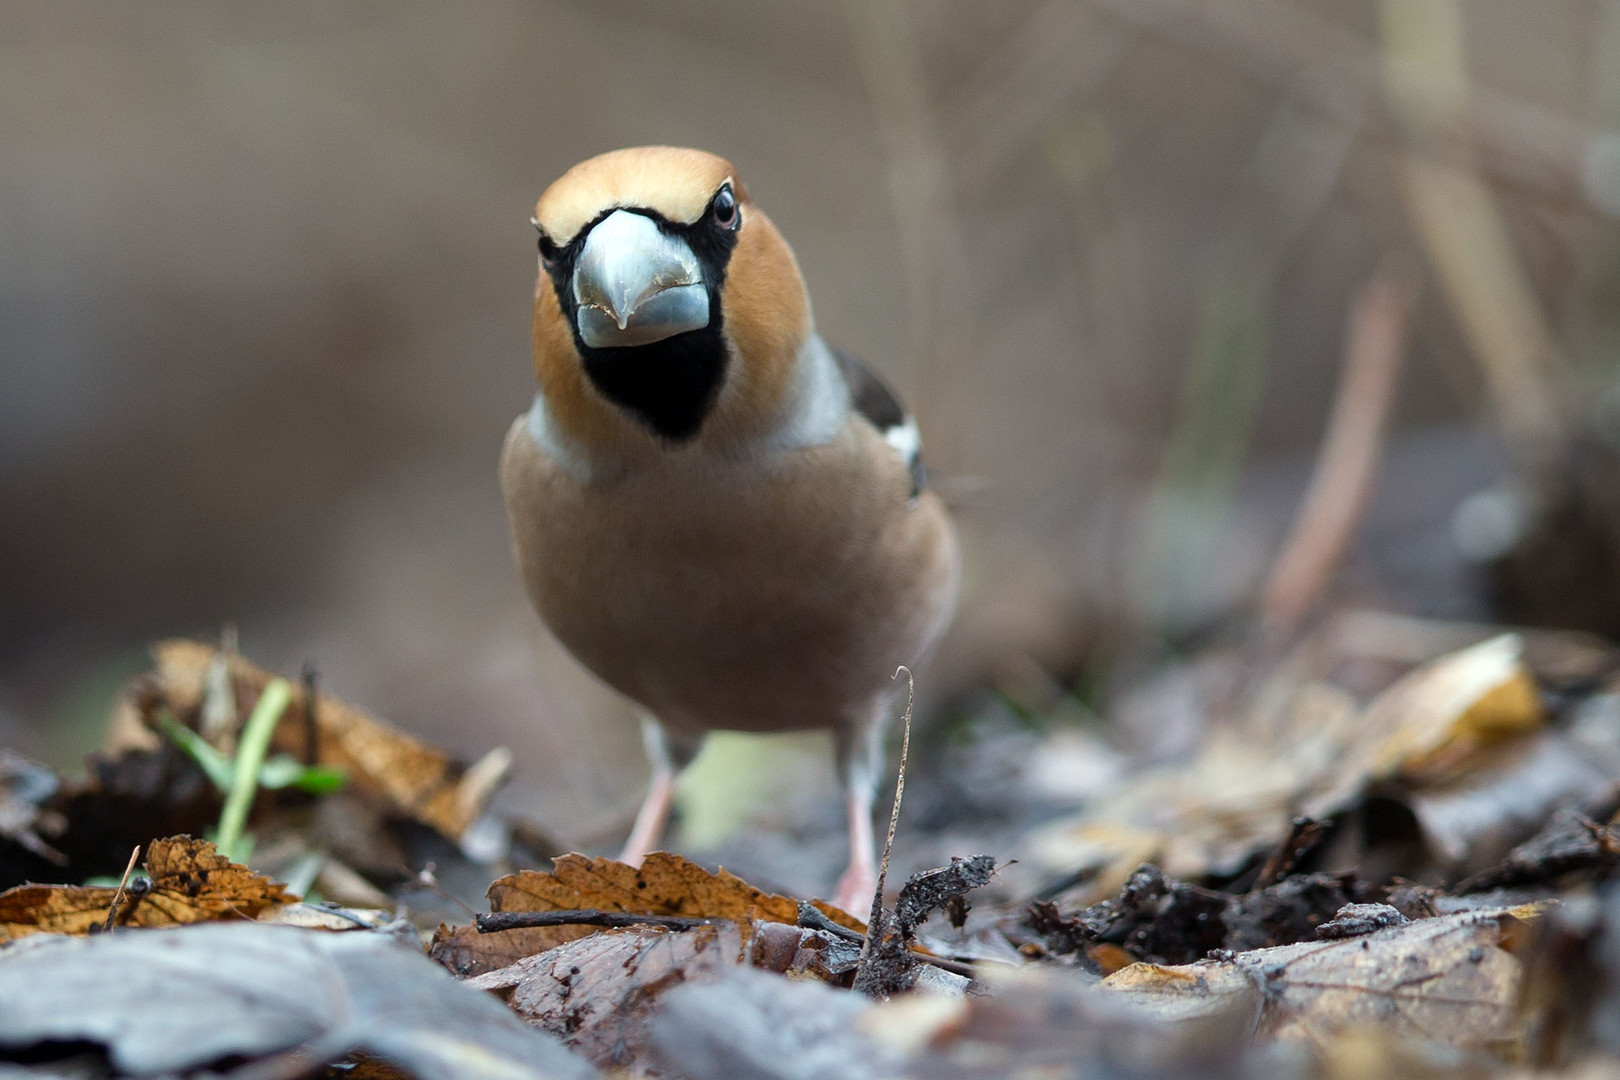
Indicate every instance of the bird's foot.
{"type": "Point", "coordinates": [855, 889]}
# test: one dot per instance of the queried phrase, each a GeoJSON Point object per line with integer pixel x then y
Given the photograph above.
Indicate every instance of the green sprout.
{"type": "Point", "coordinates": [240, 777]}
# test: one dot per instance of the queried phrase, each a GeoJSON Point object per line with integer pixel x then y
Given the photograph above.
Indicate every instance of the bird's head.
{"type": "Point", "coordinates": [667, 304]}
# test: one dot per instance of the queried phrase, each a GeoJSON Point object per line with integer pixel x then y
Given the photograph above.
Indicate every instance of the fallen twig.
{"type": "Point", "coordinates": [118, 894]}
{"type": "Point", "coordinates": [883, 953]}
{"type": "Point", "coordinates": [811, 918]}
{"type": "Point", "coordinates": [496, 921]}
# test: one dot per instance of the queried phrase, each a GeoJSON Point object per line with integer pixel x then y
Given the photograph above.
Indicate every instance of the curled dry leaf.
{"type": "Point", "coordinates": [1435, 719]}
{"type": "Point", "coordinates": [665, 884]}
{"type": "Point", "coordinates": [190, 882]}
{"type": "Point", "coordinates": [1451, 980]}
{"type": "Point", "coordinates": [410, 777]}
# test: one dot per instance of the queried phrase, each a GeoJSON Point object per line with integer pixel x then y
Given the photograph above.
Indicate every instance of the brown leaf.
{"type": "Point", "coordinates": [665, 884]}
{"type": "Point", "coordinates": [410, 777]}
{"type": "Point", "coordinates": [1449, 980]}
{"type": "Point", "coordinates": [597, 993]}
{"type": "Point", "coordinates": [190, 882]}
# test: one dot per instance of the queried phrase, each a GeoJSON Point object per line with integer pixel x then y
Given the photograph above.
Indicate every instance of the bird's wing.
{"type": "Point", "coordinates": [879, 406]}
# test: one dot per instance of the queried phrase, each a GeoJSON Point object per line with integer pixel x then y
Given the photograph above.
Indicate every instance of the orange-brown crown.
{"type": "Point", "coordinates": [676, 182]}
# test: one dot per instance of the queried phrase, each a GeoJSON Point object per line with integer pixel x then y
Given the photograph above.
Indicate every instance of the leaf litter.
{"type": "Point", "coordinates": [1260, 930]}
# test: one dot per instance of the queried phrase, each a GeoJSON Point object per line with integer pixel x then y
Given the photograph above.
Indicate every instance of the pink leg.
{"type": "Point", "coordinates": [859, 880]}
{"type": "Point", "coordinates": [651, 817]}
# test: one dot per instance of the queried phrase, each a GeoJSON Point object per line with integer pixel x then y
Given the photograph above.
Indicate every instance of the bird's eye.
{"type": "Point", "coordinates": [724, 208]}
{"type": "Point", "coordinates": [548, 252]}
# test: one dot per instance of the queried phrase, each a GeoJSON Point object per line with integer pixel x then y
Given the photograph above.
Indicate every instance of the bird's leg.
{"type": "Point", "coordinates": [860, 757]}
{"type": "Point", "coordinates": [859, 879]}
{"type": "Point", "coordinates": [668, 757]}
{"type": "Point", "coordinates": [650, 819]}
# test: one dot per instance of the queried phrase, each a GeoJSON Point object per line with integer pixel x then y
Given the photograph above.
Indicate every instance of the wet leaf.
{"type": "Point", "coordinates": [188, 882]}
{"type": "Point", "coordinates": [169, 1002]}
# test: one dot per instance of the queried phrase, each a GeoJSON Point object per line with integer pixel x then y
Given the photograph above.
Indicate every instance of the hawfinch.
{"type": "Point", "coordinates": [720, 516]}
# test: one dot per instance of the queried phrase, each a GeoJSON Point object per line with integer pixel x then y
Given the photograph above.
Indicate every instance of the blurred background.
{"type": "Point", "coordinates": [265, 275]}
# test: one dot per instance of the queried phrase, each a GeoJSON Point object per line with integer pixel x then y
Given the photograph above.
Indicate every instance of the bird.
{"type": "Point", "coordinates": [719, 515]}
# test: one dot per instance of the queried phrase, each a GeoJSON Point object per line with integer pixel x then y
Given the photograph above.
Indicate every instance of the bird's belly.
{"type": "Point", "coordinates": [730, 606]}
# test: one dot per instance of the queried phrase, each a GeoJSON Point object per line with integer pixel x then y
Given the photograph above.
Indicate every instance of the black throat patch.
{"type": "Point", "coordinates": [670, 385]}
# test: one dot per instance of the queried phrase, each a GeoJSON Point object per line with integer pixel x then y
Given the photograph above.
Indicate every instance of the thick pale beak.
{"type": "Point", "coordinates": [634, 285]}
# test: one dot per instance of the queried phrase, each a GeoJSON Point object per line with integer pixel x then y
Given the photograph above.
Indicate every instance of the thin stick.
{"type": "Point", "coordinates": [428, 878]}
{"type": "Point", "coordinates": [1347, 463]}
{"type": "Point", "coordinates": [118, 894]}
{"type": "Point", "coordinates": [899, 782]}
{"type": "Point", "coordinates": [496, 921]}
{"type": "Point", "coordinates": [875, 922]}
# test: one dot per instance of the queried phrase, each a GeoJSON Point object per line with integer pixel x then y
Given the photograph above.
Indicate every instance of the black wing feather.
{"type": "Point", "coordinates": [874, 400]}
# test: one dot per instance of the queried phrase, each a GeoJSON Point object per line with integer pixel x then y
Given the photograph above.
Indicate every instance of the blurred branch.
{"type": "Point", "coordinates": [1288, 46]}
{"type": "Point", "coordinates": [932, 247]}
{"type": "Point", "coordinates": [1347, 464]}
{"type": "Point", "coordinates": [1060, 55]}
{"type": "Point", "coordinates": [1461, 226]}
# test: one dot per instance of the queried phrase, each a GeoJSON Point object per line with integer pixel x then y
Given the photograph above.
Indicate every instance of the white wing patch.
{"type": "Point", "coordinates": [906, 440]}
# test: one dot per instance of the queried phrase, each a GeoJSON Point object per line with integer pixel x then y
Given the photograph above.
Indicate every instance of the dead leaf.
{"type": "Point", "coordinates": [190, 882]}
{"type": "Point", "coordinates": [1512, 788]}
{"type": "Point", "coordinates": [1433, 720]}
{"type": "Point", "coordinates": [1450, 980]}
{"type": "Point", "coordinates": [1032, 1023]}
{"type": "Point", "coordinates": [167, 1002]}
{"type": "Point", "coordinates": [1212, 815]}
{"type": "Point", "coordinates": [597, 993]}
{"type": "Point", "coordinates": [410, 777]}
{"type": "Point", "coordinates": [1303, 749]}
{"type": "Point", "coordinates": [1569, 846]}
{"type": "Point", "coordinates": [665, 884]}
{"type": "Point", "coordinates": [758, 1026]}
